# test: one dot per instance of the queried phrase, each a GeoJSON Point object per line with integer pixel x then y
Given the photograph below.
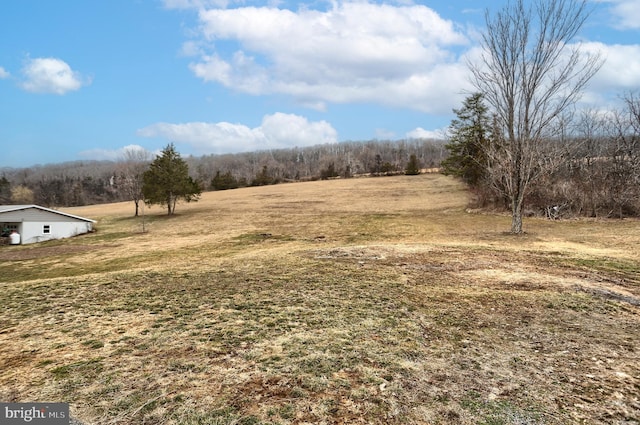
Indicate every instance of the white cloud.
{"type": "Point", "coordinates": [51, 75]}
{"type": "Point", "coordinates": [288, 130]}
{"type": "Point", "coordinates": [111, 154]}
{"type": "Point", "coordinates": [191, 48]}
{"type": "Point", "coordinates": [276, 131]}
{"type": "Point", "coordinates": [421, 133]}
{"type": "Point", "coordinates": [4, 73]}
{"type": "Point", "coordinates": [626, 13]}
{"type": "Point", "coordinates": [620, 71]}
{"type": "Point", "coordinates": [354, 52]}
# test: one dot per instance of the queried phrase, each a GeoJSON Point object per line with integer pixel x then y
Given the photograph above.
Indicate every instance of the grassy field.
{"type": "Point", "coordinates": [356, 301]}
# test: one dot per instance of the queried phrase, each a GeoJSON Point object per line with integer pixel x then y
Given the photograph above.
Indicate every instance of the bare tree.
{"type": "Point", "coordinates": [530, 75]}
{"type": "Point", "coordinates": [588, 168]}
{"type": "Point", "coordinates": [131, 168]}
{"type": "Point", "coordinates": [623, 175]}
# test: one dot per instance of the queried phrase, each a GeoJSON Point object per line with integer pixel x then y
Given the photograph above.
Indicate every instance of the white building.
{"type": "Point", "coordinates": [37, 224]}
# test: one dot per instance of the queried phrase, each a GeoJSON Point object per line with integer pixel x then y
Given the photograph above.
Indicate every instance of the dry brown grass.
{"type": "Point", "coordinates": [349, 301]}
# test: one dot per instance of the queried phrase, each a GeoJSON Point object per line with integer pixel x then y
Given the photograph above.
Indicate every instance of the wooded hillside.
{"type": "Point", "coordinates": [92, 182]}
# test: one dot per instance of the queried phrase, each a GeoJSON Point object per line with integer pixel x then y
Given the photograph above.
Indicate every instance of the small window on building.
{"type": "Point", "coordinates": [46, 229]}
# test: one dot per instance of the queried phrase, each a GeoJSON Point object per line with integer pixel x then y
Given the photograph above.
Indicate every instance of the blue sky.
{"type": "Point", "coordinates": [87, 79]}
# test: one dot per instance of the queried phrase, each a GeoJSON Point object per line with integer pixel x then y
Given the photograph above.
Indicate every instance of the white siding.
{"type": "Point", "coordinates": [31, 221]}
{"type": "Point", "coordinates": [32, 232]}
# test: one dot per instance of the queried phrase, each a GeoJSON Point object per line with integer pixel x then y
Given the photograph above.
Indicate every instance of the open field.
{"type": "Point", "coordinates": [356, 301]}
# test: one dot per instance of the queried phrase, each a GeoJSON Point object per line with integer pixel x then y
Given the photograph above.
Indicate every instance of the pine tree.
{"type": "Point", "coordinates": [263, 178]}
{"type": "Point", "coordinates": [224, 181]}
{"type": "Point", "coordinates": [329, 172]}
{"type": "Point", "coordinates": [412, 168]}
{"type": "Point", "coordinates": [167, 180]}
{"type": "Point", "coordinates": [467, 141]}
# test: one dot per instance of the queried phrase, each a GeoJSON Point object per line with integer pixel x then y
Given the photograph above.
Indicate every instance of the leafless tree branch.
{"type": "Point", "coordinates": [530, 76]}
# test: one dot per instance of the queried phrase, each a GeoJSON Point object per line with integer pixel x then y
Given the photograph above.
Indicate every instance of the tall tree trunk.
{"type": "Point", "coordinates": [530, 73]}
{"type": "Point", "coordinates": [516, 216]}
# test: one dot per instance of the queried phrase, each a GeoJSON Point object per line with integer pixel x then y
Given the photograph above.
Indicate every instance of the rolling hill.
{"type": "Point", "coordinates": [372, 301]}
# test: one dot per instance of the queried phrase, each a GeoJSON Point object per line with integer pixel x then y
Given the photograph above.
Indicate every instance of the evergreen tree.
{"type": "Point", "coordinates": [263, 178]}
{"type": "Point", "coordinates": [224, 181]}
{"type": "Point", "coordinates": [329, 172]}
{"type": "Point", "coordinates": [377, 167]}
{"type": "Point", "coordinates": [469, 135]}
{"type": "Point", "coordinates": [167, 180]}
{"type": "Point", "coordinates": [412, 168]}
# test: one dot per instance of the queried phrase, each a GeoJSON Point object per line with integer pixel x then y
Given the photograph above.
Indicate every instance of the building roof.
{"type": "Point", "coordinates": [11, 208]}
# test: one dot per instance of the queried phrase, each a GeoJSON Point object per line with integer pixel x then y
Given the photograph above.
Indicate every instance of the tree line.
{"type": "Point", "coordinates": [521, 142]}
{"type": "Point", "coordinates": [590, 168]}
{"type": "Point", "coordinates": [93, 182]}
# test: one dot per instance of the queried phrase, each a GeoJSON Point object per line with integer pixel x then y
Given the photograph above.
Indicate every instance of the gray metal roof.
{"type": "Point", "coordinates": [11, 208]}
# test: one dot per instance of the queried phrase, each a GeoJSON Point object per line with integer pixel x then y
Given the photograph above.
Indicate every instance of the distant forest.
{"type": "Point", "coordinates": [94, 182]}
